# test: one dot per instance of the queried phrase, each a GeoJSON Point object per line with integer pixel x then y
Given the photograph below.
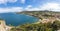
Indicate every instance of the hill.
{"type": "Point", "coordinates": [48, 21]}
{"type": "Point", "coordinates": [45, 16]}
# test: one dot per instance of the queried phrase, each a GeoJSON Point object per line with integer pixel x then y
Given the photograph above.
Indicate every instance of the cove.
{"type": "Point", "coordinates": [17, 19]}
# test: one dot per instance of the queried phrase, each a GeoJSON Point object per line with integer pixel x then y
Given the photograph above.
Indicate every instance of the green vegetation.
{"type": "Point", "coordinates": [0, 22]}
{"type": "Point", "coordinates": [49, 26]}
{"type": "Point", "coordinates": [41, 14]}
{"type": "Point", "coordinates": [1, 19]}
{"type": "Point", "coordinates": [38, 27]}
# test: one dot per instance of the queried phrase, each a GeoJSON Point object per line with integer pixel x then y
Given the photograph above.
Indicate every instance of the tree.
{"type": "Point", "coordinates": [56, 25]}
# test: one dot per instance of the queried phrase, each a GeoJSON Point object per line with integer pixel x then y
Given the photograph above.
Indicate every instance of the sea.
{"type": "Point", "coordinates": [17, 19]}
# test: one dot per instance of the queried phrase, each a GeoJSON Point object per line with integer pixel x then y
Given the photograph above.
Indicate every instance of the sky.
{"type": "Point", "coordinates": [28, 5]}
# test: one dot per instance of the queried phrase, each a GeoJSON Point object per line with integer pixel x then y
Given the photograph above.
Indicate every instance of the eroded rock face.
{"type": "Point", "coordinates": [3, 26]}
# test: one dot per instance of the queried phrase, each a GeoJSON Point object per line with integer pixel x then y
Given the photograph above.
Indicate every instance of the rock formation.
{"type": "Point", "coordinates": [3, 26]}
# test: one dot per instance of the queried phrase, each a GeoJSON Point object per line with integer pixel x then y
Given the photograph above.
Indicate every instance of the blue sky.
{"type": "Point", "coordinates": [29, 5]}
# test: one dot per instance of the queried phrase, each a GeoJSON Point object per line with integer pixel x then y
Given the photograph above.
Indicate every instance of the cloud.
{"type": "Point", "coordinates": [5, 1]}
{"type": "Point", "coordinates": [23, 1]}
{"type": "Point", "coordinates": [28, 7]}
{"type": "Point", "coordinates": [11, 1]}
{"type": "Point", "coordinates": [33, 9]}
{"type": "Point", "coordinates": [12, 9]}
{"type": "Point", "coordinates": [50, 7]}
{"type": "Point", "coordinates": [46, 6]}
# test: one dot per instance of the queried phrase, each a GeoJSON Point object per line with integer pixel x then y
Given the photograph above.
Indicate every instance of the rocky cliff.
{"type": "Point", "coordinates": [3, 26]}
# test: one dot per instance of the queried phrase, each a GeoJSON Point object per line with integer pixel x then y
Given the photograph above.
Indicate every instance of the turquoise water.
{"type": "Point", "coordinates": [17, 19]}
